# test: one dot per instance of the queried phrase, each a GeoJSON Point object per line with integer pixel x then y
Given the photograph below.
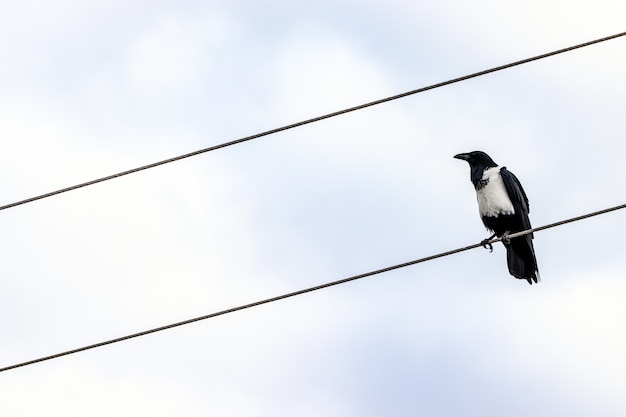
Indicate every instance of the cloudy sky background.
{"type": "Point", "coordinates": [91, 88]}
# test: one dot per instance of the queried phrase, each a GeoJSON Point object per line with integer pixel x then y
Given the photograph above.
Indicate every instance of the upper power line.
{"type": "Point", "coordinates": [308, 121]}
{"type": "Point", "coordinates": [306, 290]}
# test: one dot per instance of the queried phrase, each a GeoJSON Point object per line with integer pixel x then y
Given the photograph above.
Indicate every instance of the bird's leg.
{"type": "Point", "coordinates": [485, 243]}
{"type": "Point", "coordinates": [505, 238]}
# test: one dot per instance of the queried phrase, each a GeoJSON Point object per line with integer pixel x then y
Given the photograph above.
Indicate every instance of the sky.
{"type": "Point", "coordinates": [91, 88]}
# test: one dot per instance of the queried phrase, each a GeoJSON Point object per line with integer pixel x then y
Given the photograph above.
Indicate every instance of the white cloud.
{"type": "Point", "coordinates": [175, 53]}
{"type": "Point", "coordinates": [572, 336]}
{"type": "Point", "coordinates": [316, 68]}
{"type": "Point", "coordinates": [77, 389]}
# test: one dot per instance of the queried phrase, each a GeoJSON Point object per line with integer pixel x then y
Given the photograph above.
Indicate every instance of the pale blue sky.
{"type": "Point", "coordinates": [90, 88]}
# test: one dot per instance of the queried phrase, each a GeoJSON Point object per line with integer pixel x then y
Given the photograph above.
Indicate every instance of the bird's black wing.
{"type": "Point", "coordinates": [517, 195]}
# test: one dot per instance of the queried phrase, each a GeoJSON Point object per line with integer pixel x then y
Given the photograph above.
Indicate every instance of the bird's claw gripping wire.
{"type": "Point", "coordinates": [487, 244]}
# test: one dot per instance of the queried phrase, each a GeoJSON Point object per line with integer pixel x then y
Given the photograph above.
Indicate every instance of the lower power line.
{"type": "Point", "coordinates": [306, 290]}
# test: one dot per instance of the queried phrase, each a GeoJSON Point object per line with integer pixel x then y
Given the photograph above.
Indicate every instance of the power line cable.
{"type": "Point", "coordinates": [308, 121]}
{"type": "Point", "coordinates": [306, 290]}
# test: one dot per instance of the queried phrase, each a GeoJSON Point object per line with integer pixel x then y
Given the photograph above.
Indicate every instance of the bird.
{"type": "Point", "coordinates": [504, 209]}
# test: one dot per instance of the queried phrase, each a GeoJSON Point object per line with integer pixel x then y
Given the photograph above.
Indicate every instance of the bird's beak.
{"type": "Point", "coordinates": [462, 156]}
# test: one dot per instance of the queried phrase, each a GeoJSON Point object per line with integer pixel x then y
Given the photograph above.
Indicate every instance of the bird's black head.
{"type": "Point", "coordinates": [479, 162]}
{"type": "Point", "coordinates": [477, 159]}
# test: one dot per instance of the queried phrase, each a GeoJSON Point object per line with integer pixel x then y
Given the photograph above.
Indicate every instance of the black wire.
{"type": "Point", "coordinates": [313, 120]}
{"type": "Point", "coordinates": [304, 291]}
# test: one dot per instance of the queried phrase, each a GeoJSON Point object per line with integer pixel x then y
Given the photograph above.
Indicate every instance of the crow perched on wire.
{"type": "Point", "coordinates": [503, 208]}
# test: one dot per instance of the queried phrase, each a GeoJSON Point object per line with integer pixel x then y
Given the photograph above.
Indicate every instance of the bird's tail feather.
{"type": "Point", "coordinates": [520, 256]}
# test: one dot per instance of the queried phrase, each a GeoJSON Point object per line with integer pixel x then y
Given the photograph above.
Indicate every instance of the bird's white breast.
{"type": "Point", "coordinates": [493, 200]}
